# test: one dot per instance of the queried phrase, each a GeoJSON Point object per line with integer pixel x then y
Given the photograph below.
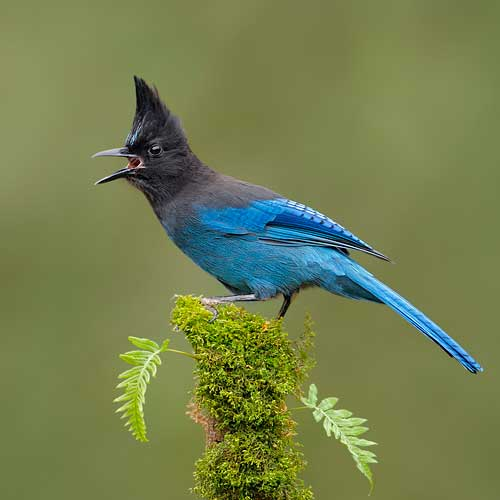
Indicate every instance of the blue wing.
{"type": "Point", "coordinates": [284, 222]}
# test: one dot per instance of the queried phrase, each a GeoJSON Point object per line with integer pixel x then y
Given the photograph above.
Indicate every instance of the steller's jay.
{"type": "Point", "coordinates": [257, 243]}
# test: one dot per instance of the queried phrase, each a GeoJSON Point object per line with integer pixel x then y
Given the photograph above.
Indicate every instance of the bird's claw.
{"type": "Point", "coordinates": [208, 304]}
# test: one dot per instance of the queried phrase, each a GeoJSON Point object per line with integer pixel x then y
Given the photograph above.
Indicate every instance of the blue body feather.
{"type": "Point", "coordinates": [277, 246]}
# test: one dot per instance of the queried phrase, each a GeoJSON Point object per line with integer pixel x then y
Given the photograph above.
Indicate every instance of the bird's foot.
{"type": "Point", "coordinates": [209, 304]}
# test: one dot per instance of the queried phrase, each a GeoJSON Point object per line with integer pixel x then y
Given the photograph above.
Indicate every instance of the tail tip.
{"type": "Point", "coordinates": [474, 367]}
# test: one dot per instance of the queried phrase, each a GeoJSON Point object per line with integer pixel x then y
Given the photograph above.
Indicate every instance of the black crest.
{"type": "Point", "coordinates": [153, 119]}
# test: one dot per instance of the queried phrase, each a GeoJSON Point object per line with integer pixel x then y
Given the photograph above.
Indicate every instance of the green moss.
{"type": "Point", "coordinates": [246, 367]}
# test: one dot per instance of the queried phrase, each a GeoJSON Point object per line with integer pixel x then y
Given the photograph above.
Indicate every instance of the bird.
{"type": "Point", "coordinates": [254, 241]}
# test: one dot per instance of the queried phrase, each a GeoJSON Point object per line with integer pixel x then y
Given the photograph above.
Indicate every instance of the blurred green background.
{"type": "Point", "coordinates": [384, 115]}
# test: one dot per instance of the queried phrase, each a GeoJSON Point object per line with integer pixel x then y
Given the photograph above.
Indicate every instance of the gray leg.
{"type": "Point", "coordinates": [210, 302]}
{"type": "Point", "coordinates": [230, 298]}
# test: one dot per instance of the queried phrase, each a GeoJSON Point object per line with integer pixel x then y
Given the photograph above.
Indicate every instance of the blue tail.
{"type": "Point", "coordinates": [415, 317]}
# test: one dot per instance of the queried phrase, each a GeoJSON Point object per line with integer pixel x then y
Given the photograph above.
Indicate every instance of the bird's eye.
{"type": "Point", "coordinates": [155, 150]}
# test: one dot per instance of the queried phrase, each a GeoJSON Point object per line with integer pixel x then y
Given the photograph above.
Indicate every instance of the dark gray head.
{"type": "Point", "coordinates": [156, 147]}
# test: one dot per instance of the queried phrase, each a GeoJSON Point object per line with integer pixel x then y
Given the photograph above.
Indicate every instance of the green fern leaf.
{"type": "Point", "coordinates": [345, 428]}
{"type": "Point", "coordinates": [135, 381]}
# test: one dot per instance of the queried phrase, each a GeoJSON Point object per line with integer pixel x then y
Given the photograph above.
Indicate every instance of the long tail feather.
{"type": "Point", "coordinates": [415, 317]}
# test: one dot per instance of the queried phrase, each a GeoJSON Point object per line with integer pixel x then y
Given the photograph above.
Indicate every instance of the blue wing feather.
{"type": "Point", "coordinates": [299, 224]}
{"type": "Point", "coordinates": [285, 222]}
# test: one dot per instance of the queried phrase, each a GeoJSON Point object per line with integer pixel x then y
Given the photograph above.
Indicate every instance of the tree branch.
{"type": "Point", "coordinates": [245, 368]}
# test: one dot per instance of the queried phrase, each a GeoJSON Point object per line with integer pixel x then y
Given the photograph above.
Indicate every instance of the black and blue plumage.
{"type": "Point", "coordinates": [257, 243]}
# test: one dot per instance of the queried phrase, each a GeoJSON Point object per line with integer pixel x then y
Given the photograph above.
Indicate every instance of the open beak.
{"type": "Point", "coordinates": [134, 163]}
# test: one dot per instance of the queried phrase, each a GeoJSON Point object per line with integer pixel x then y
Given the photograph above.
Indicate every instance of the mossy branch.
{"type": "Point", "coordinates": [246, 366]}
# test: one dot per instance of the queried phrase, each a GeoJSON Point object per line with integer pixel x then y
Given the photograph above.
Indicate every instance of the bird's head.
{"type": "Point", "coordinates": [156, 147]}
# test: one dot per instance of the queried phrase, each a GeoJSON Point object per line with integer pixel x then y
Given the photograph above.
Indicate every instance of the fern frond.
{"type": "Point", "coordinates": [135, 381]}
{"type": "Point", "coordinates": [345, 428]}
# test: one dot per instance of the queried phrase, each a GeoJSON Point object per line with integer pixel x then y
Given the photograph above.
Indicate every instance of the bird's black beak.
{"type": "Point", "coordinates": [123, 172]}
{"type": "Point", "coordinates": [114, 152]}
